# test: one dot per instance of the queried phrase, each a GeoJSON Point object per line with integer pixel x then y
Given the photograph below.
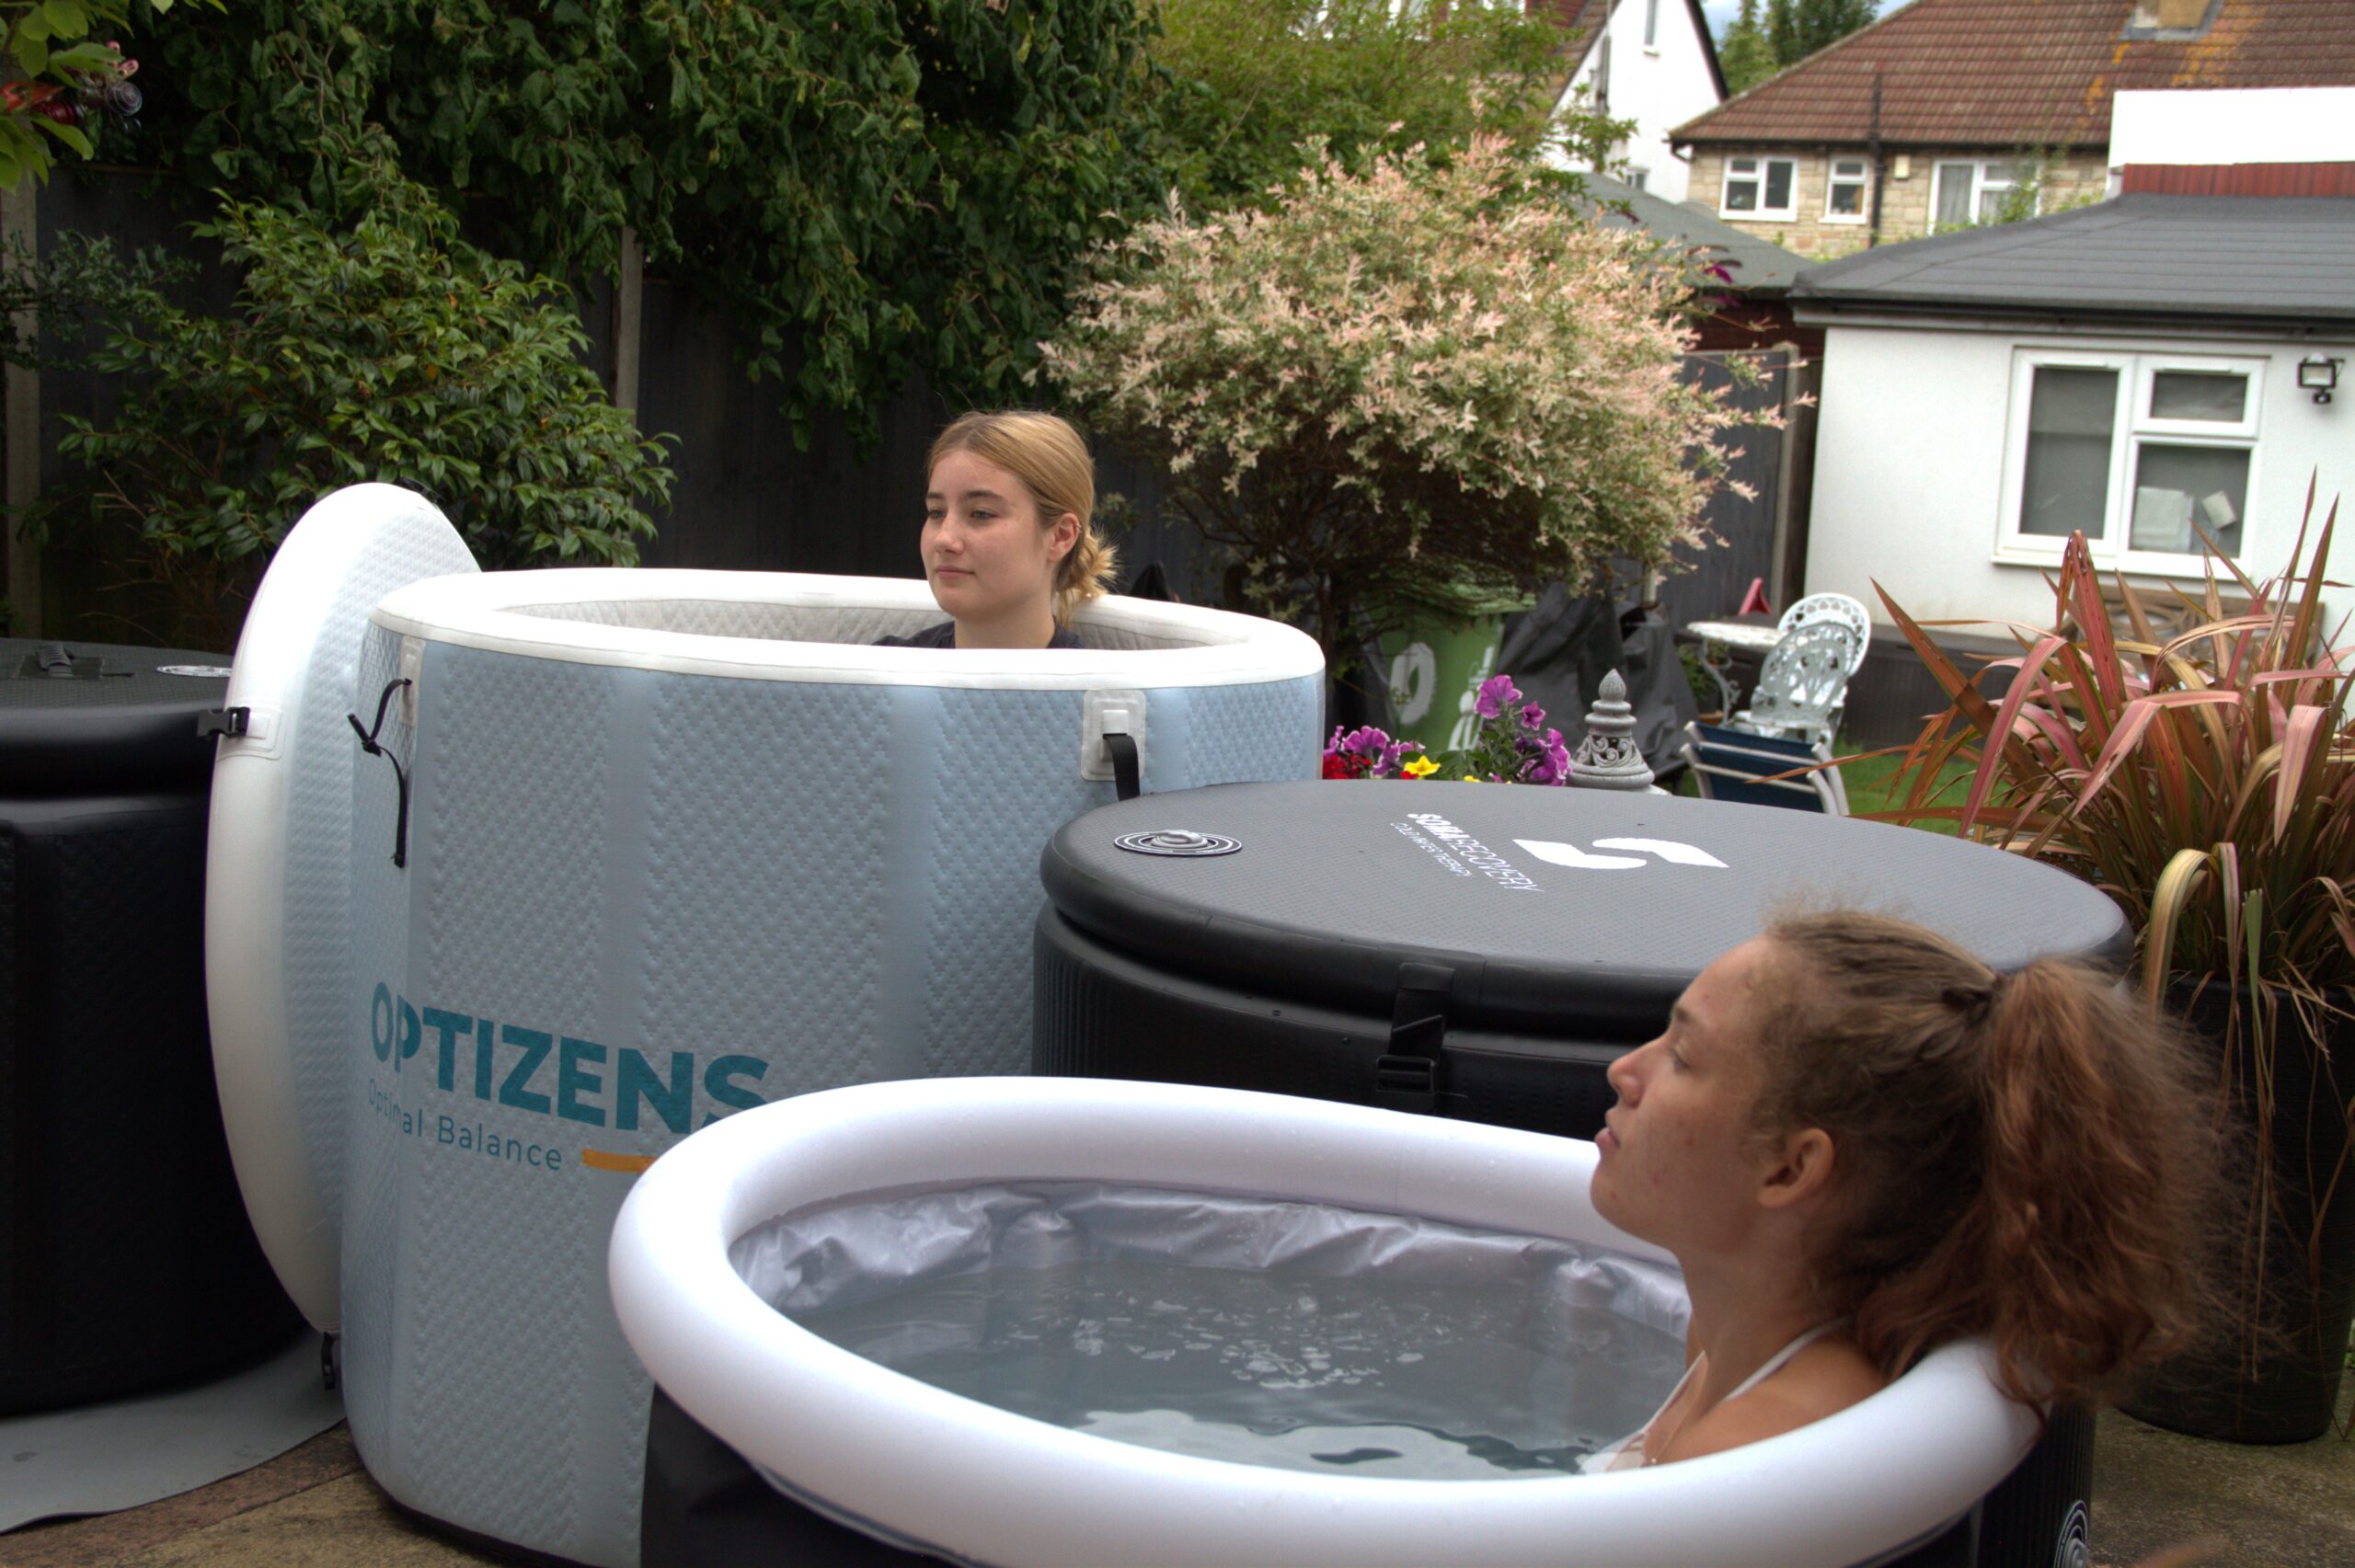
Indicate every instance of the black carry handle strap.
{"type": "Point", "coordinates": [1407, 1077]}
{"type": "Point", "coordinates": [1122, 749]}
{"type": "Point", "coordinates": [373, 747]}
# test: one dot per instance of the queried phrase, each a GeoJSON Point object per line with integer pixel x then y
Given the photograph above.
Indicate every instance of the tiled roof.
{"type": "Point", "coordinates": [2284, 259]}
{"type": "Point", "coordinates": [2024, 72]}
{"type": "Point", "coordinates": [1757, 267]}
{"type": "Point", "coordinates": [1586, 15]}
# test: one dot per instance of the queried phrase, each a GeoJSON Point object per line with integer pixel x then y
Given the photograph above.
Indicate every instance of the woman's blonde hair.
{"type": "Point", "coordinates": [1050, 458]}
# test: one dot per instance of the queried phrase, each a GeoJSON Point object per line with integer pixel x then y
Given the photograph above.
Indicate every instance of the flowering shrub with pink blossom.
{"type": "Point", "coordinates": [1512, 745]}
{"type": "Point", "coordinates": [1426, 364]}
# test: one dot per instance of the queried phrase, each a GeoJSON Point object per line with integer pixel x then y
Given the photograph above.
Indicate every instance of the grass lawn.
{"type": "Point", "coordinates": [1870, 784]}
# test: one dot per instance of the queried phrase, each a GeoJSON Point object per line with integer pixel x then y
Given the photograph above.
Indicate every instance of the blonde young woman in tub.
{"type": "Point", "coordinates": [1009, 545]}
{"type": "Point", "coordinates": [1862, 1143]}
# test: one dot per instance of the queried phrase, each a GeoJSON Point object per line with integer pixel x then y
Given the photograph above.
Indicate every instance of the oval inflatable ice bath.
{"type": "Point", "coordinates": [639, 850]}
{"type": "Point", "coordinates": [922, 1470]}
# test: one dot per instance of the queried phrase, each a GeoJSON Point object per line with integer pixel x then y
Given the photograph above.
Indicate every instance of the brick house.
{"type": "Point", "coordinates": [1934, 115]}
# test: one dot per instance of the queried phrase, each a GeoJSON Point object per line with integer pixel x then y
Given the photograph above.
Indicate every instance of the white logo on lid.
{"type": "Point", "coordinates": [1556, 853]}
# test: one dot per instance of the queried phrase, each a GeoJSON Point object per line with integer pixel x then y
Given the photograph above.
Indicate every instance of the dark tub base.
{"type": "Point", "coordinates": [706, 1507]}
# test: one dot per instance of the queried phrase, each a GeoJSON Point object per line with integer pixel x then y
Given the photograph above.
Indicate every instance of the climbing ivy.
{"type": "Point", "coordinates": [866, 187]}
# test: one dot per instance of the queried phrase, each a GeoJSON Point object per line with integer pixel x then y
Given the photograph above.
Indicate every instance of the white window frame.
{"type": "Point", "coordinates": [1981, 185]}
{"type": "Point", "coordinates": [2131, 426]}
{"type": "Point", "coordinates": [1762, 213]}
{"type": "Point", "coordinates": [1862, 179]}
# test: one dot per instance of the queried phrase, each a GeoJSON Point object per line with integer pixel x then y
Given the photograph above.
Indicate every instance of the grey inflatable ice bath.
{"type": "Point", "coordinates": [671, 844]}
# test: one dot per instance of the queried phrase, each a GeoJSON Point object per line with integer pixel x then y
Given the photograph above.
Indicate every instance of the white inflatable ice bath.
{"type": "Point", "coordinates": [998, 1488]}
{"type": "Point", "coordinates": [669, 845]}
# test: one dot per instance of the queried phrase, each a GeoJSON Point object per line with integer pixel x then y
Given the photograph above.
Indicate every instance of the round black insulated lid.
{"type": "Point", "coordinates": [1560, 909]}
{"type": "Point", "coordinates": [102, 716]}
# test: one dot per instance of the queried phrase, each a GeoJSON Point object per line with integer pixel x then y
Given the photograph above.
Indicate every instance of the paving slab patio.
{"type": "Point", "coordinates": [315, 1507]}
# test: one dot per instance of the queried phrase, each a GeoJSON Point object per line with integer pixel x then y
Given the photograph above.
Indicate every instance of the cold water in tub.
{"type": "Point", "coordinates": [1294, 1336]}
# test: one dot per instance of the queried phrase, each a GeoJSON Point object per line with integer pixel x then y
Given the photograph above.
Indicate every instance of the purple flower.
{"type": "Point", "coordinates": [1496, 692]}
{"type": "Point", "coordinates": [1533, 715]}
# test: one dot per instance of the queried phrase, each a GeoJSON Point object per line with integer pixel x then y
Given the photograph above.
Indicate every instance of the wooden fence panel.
{"type": "Point", "coordinates": [1711, 580]}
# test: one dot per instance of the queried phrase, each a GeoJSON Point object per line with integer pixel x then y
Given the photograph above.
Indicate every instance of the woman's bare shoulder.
{"type": "Point", "coordinates": [1823, 1379]}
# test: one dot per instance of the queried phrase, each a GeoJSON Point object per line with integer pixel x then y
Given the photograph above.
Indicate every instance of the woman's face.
{"type": "Point", "coordinates": [985, 551]}
{"type": "Point", "coordinates": [1680, 1164]}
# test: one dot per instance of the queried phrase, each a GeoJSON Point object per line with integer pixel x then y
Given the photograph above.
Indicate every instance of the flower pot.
{"type": "Point", "coordinates": [2240, 1384]}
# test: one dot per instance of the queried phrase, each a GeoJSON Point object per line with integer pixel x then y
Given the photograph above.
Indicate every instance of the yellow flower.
{"type": "Point", "coordinates": [1471, 778]}
{"type": "Point", "coordinates": [1421, 768]}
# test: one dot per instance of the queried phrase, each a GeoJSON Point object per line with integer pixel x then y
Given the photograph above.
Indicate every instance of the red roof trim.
{"type": "Point", "coordinates": [2238, 179]}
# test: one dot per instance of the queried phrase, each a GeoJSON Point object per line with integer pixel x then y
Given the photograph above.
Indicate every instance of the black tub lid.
{"type": "Point", "coordinates": [1562, 909]}
{"type": "Point", "coordinates": [102, 716]}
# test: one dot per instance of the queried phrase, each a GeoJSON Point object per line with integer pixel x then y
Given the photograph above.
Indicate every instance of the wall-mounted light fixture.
{"type": "Point", "coordinates": [2318, 375]}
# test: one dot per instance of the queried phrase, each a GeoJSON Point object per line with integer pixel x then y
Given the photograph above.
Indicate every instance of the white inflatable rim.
{"type": "Point", "coordinates": [942, 1470]}
{"type": "Point", "coordinates": [494, 612]}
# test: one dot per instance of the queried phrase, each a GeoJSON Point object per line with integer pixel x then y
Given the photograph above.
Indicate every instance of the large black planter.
{"type": "Point", "coordinates": [2272, 1375]}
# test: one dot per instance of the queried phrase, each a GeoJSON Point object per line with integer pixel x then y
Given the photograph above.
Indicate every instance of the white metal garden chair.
{"type": "Point", "coordinates": [1838, 608]}
{"type": "Point", "coordinates": [1803, 685]}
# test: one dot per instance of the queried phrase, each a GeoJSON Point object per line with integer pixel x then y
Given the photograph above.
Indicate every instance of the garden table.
{"type": "Point", "coordinates": [1720, 640]}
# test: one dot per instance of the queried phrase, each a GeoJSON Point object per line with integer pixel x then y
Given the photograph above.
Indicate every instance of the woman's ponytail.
{"type": "Point", "coordinates": [2095, 1159]}
{"type": "Point", "coordinates": [2023, 1157]}
{"type": "Point", "coordinates": [1085, 573]}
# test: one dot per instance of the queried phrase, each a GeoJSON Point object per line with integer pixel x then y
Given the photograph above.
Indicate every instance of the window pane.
{"type": "Point", "coordinates": [1953, 203]}
{"type": "Point", "coordinates": [2199, 395]}
{"type": "Point", "coordinates": [1651, 23]}
{"type": "Point", "coordinates": [1778, 184]}
{"type": "Point", "coordinates": [1848, 168]}
{"type": "Point", "coordinates": [2066, 485]}
{"type": "Point", "coordinates": [2189, 488]}
{"type": "Point", "coordinates": [1742, 166]}
{"type": "Point", "coordinates": [1847, 200]}
{"type": "Point", "coordinates": [1741, 195]}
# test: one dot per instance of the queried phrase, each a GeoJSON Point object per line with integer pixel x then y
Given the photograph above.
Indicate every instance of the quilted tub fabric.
{"type": "Point", "coordinates": [637, 899]}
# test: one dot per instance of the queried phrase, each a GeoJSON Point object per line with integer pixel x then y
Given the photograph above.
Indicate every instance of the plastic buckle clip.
{"type": "Point", "coordinates": [1406, 1083]}
{"type": "Point", "coordinates": [1407, 1077]}
{"type": "Point", "coordinates": [223, 721]}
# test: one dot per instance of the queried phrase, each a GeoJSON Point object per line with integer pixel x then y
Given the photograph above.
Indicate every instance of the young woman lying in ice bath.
{"type": "Point", "coordinates": [1860, 1143]}
{"type": "Point", "coordinates": [1009, 545]}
